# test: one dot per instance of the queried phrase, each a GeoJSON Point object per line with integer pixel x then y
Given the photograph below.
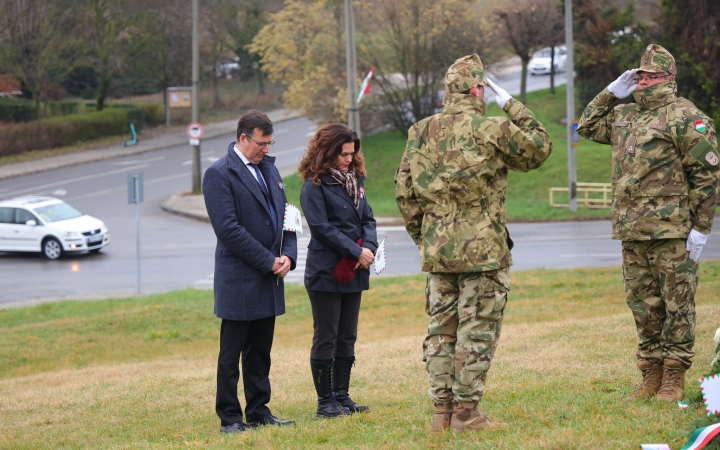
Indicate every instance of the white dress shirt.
{"type": "Point", "coordinates": [246, 162]}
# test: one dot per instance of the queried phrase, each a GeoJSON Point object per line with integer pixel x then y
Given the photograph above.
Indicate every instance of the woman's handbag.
{"type": "Point", "coordinates": [345, 268]}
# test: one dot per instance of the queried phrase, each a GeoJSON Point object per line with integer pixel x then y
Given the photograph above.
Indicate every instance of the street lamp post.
{"type": "Point", "coordinates": [195, 97]}
{"type": "Point", "coordinates": [351, 68]}
{"type": "Point", "coordinates": [570, 111]}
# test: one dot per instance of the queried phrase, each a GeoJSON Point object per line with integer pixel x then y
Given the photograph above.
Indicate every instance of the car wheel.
{"type": "Point", "coordinates": [52, 249]}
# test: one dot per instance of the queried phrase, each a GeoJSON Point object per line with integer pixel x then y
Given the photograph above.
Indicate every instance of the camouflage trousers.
{"type": "Point", "coordinates": [660, 284]}
{"type": "Point", "coordinates": [466, 312]}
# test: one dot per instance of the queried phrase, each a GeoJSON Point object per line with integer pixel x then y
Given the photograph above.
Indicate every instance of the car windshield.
{"type": "Point", "coordinates": [55, 213]}
{"type": "Point", "coordinates": [543, 53]}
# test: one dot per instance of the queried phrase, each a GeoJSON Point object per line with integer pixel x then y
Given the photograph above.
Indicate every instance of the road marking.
{"type": "Point", "coordinates": [59, 192]}
{"type": "Point", "coordinates": [186, 163]}
{"type": "Point", "coordinates": [310, 134]}
{"type": "Point", "coordinates": [3, 190]}
{"type": "Point", "coordinates": [171, 177]}
{"type": "Point", "coordinates": [137, 161]}
{"type": "Point", "coordinates": [292, 150]}
{"type": "Point", "coordinates": [106, 191]}
{"type": "Point", "coordinates": [281, 131]}
{"type": "Point", "coordinates": [75, 180]}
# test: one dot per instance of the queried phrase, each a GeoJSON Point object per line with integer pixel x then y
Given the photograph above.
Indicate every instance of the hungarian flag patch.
{"type": "Point", "coordinates": [700, 126]}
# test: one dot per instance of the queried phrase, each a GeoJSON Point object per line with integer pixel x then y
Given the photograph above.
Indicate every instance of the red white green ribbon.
{"type": "Point", "coordinates": [701, 437]}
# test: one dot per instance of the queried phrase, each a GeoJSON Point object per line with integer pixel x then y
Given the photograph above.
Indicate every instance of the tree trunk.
{"type": "Point", "coordinates": [216, 90]}
{"type": "Point", "coordinates": [552, 70]}
{"type": "Point", "coordinates": [523, 80]}
{"type": "Point", "coordinates": [102, 91]}
{"type": "Point", "coordinates": [261, 82]}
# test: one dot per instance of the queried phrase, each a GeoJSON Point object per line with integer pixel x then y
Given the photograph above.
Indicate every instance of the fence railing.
{"type": "Point", "coordinates": [592, 195]}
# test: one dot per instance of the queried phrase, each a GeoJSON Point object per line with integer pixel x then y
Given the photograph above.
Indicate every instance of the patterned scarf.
{"type": "Point", "coordinates": [349, 181]}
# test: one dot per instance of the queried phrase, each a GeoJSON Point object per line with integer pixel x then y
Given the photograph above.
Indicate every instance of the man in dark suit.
{"type": "Point", "coordinates": [245, 199]}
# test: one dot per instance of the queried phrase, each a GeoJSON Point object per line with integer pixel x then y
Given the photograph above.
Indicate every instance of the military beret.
{"type": "Point", "coordinates": [465, 73]}
{"type": "Point", "coordinates": [655, 59]}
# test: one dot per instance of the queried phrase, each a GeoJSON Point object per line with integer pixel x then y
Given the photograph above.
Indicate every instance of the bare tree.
{"type": "Point", "coordinates": [526, 30]}
{"type": "Point", "coordinates": [37, 43]}
{"type": "Point", "coordinates": [117, 32]}
{"type": "Point", "coordinates": [412, 43]}
{"type": "Point", "coordinates": [167, 59]}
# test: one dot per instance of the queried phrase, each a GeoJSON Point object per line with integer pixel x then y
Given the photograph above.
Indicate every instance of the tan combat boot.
{"type": "Point", "coordinates": [469, 418]}
{"type": "Point", "coordinates": [441, 417]}
{"type": "Point", "coordinates": [652, 373]}
{"type": "Point", "coordinates": [673, 382]}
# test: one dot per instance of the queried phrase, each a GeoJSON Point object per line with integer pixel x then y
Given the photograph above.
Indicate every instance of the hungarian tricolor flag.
{"type": "Point", "coordinates": [365, 86]}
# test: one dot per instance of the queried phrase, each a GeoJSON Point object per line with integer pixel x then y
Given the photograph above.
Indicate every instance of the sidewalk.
{"type": "Point", "coordinates": [193, 207]}
{"type": "Point", "coordinates": [72, 159]}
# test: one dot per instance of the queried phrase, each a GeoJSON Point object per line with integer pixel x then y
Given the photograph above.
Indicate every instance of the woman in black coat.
{"type": "Point", "coordinates": [340, 252]}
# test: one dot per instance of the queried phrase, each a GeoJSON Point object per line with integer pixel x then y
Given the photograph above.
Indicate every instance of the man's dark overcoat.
{"type": "Point", "coordinates": [245, 287]}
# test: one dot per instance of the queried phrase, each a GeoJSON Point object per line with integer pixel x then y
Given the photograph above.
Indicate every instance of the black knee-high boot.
{"type": "Point", "coordinates": [341, 384]}
{"type": "Point", "coordinates": [322, 377]}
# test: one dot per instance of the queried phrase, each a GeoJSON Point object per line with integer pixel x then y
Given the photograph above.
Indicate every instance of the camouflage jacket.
{"type": "Point", "coordinates": [664, 162]}
{"type": "Point", "coordinates": [451, 183]}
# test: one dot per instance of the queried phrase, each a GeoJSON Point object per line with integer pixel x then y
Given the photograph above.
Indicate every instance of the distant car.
{"type": "Point", "coordinates": [50, 226]}
{"type": "Point", "coordinates": [540, 62]}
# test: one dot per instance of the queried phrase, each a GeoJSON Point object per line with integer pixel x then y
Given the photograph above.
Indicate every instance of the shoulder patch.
{"type": "Point", "coordinates": [705, 152]}
{"type": "Point", "coordinates": [712, 158]}
{"type": "Point", "coordinates": [700, 126]}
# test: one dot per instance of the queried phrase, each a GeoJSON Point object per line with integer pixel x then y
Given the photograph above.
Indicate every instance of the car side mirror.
{"type": "Point", "coordinates": [31, 223]}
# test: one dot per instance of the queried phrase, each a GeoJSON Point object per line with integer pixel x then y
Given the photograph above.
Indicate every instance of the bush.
{"type": "Point", "coordinates": [154, 114]}
{"type": "Point", "coordinates": [12, 110]}
{"type": "Point", "coordinates": [62, 108]}
{"type": "Point", "coordinates": [63, 131]}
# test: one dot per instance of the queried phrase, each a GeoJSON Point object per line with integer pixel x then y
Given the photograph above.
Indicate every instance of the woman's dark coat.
{"type": "Point", "coordinates": [335, 227]}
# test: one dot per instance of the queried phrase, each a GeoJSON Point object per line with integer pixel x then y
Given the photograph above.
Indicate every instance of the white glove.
{"type": "Point", "coordinates": [501, 95]}
{"type": "Point", "coordinates": [695, 242]}
{"type": "Point", "coordinates": [624, 85]}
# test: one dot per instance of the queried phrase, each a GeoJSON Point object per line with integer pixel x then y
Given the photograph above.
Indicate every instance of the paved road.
{"type": "Point", "coordinates": [178, 252]}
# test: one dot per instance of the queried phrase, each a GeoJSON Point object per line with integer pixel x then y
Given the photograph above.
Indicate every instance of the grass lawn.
{"type": "Point", "coordinates": [528, 193]}
{"type": "Point", "coordinates": [140, 372]}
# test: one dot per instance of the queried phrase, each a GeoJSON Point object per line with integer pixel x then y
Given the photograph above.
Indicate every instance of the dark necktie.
{"type": "Point", "coordinates": [266, 193]}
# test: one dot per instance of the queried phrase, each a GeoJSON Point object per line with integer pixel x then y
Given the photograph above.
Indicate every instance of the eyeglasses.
{"type": "Point", "coordinates": [639, 78]}
{"type": "Point", "coordinates": [261, 144]}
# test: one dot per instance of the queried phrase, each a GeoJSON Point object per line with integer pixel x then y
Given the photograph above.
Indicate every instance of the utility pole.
{"type": "Point", "coordinates": [195, 97]}
{"type": "Point", "coordinates": [351, 68]}
{"type": "Point", "coordinates": [570, 112]}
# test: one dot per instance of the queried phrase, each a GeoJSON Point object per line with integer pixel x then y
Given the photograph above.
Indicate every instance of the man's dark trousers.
{"type": "Point", "coordinates": [253, 339]}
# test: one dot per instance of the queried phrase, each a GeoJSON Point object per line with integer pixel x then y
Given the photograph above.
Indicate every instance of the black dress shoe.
{"type": "Point", "coordinates": [236, 427]}
{"type": "Point", "coordinates": [271, 420]}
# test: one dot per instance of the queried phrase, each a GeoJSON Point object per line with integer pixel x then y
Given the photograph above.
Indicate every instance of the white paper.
{"type": "Point", "coordinates": [292, 220]}
{"type": "Point", "coordinates": [380, 261]}
{"type": "Point", "coordinates": [710, 388]}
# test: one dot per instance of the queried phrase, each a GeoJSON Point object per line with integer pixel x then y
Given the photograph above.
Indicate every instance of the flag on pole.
{"type": "Point", "coordinates": [365, 86]}
{"type": "Point", "coordinates": [293, 219]}
{"type": "Point", "coordinates": [380, 261]}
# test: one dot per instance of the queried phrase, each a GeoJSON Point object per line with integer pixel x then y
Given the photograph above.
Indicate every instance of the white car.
{"type": "Point", "coordinates": [50, 226]}
{"type": "Point", "coordinates": [540, 62]}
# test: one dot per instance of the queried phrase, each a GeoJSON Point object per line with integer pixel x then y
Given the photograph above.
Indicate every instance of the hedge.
{"type": "Point", "coordinates": [12, 110]}
{"type": "Point", "coordinates": [67, 130]}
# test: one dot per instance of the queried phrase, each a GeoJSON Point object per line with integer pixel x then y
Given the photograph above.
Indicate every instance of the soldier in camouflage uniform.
{"type": "Point", "coordinates": [450, 189]}
{"type": "Point", "coordinates": [665, 181]}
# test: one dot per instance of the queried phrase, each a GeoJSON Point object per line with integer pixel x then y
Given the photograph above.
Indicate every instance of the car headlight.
{"type": "Point", "coordinates": [103, 229]}
{"type": "Point", "coordinates": [71, 234]}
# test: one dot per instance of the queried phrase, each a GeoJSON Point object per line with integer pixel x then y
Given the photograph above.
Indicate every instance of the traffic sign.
{"type": "Point", "coordinates": [194, 130]}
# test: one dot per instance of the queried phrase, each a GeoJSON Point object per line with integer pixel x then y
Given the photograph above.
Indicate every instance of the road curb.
{"type": "Point", "coordinates": [73, 159]}
{"type": "Point", "coordinates": [186, 205]}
